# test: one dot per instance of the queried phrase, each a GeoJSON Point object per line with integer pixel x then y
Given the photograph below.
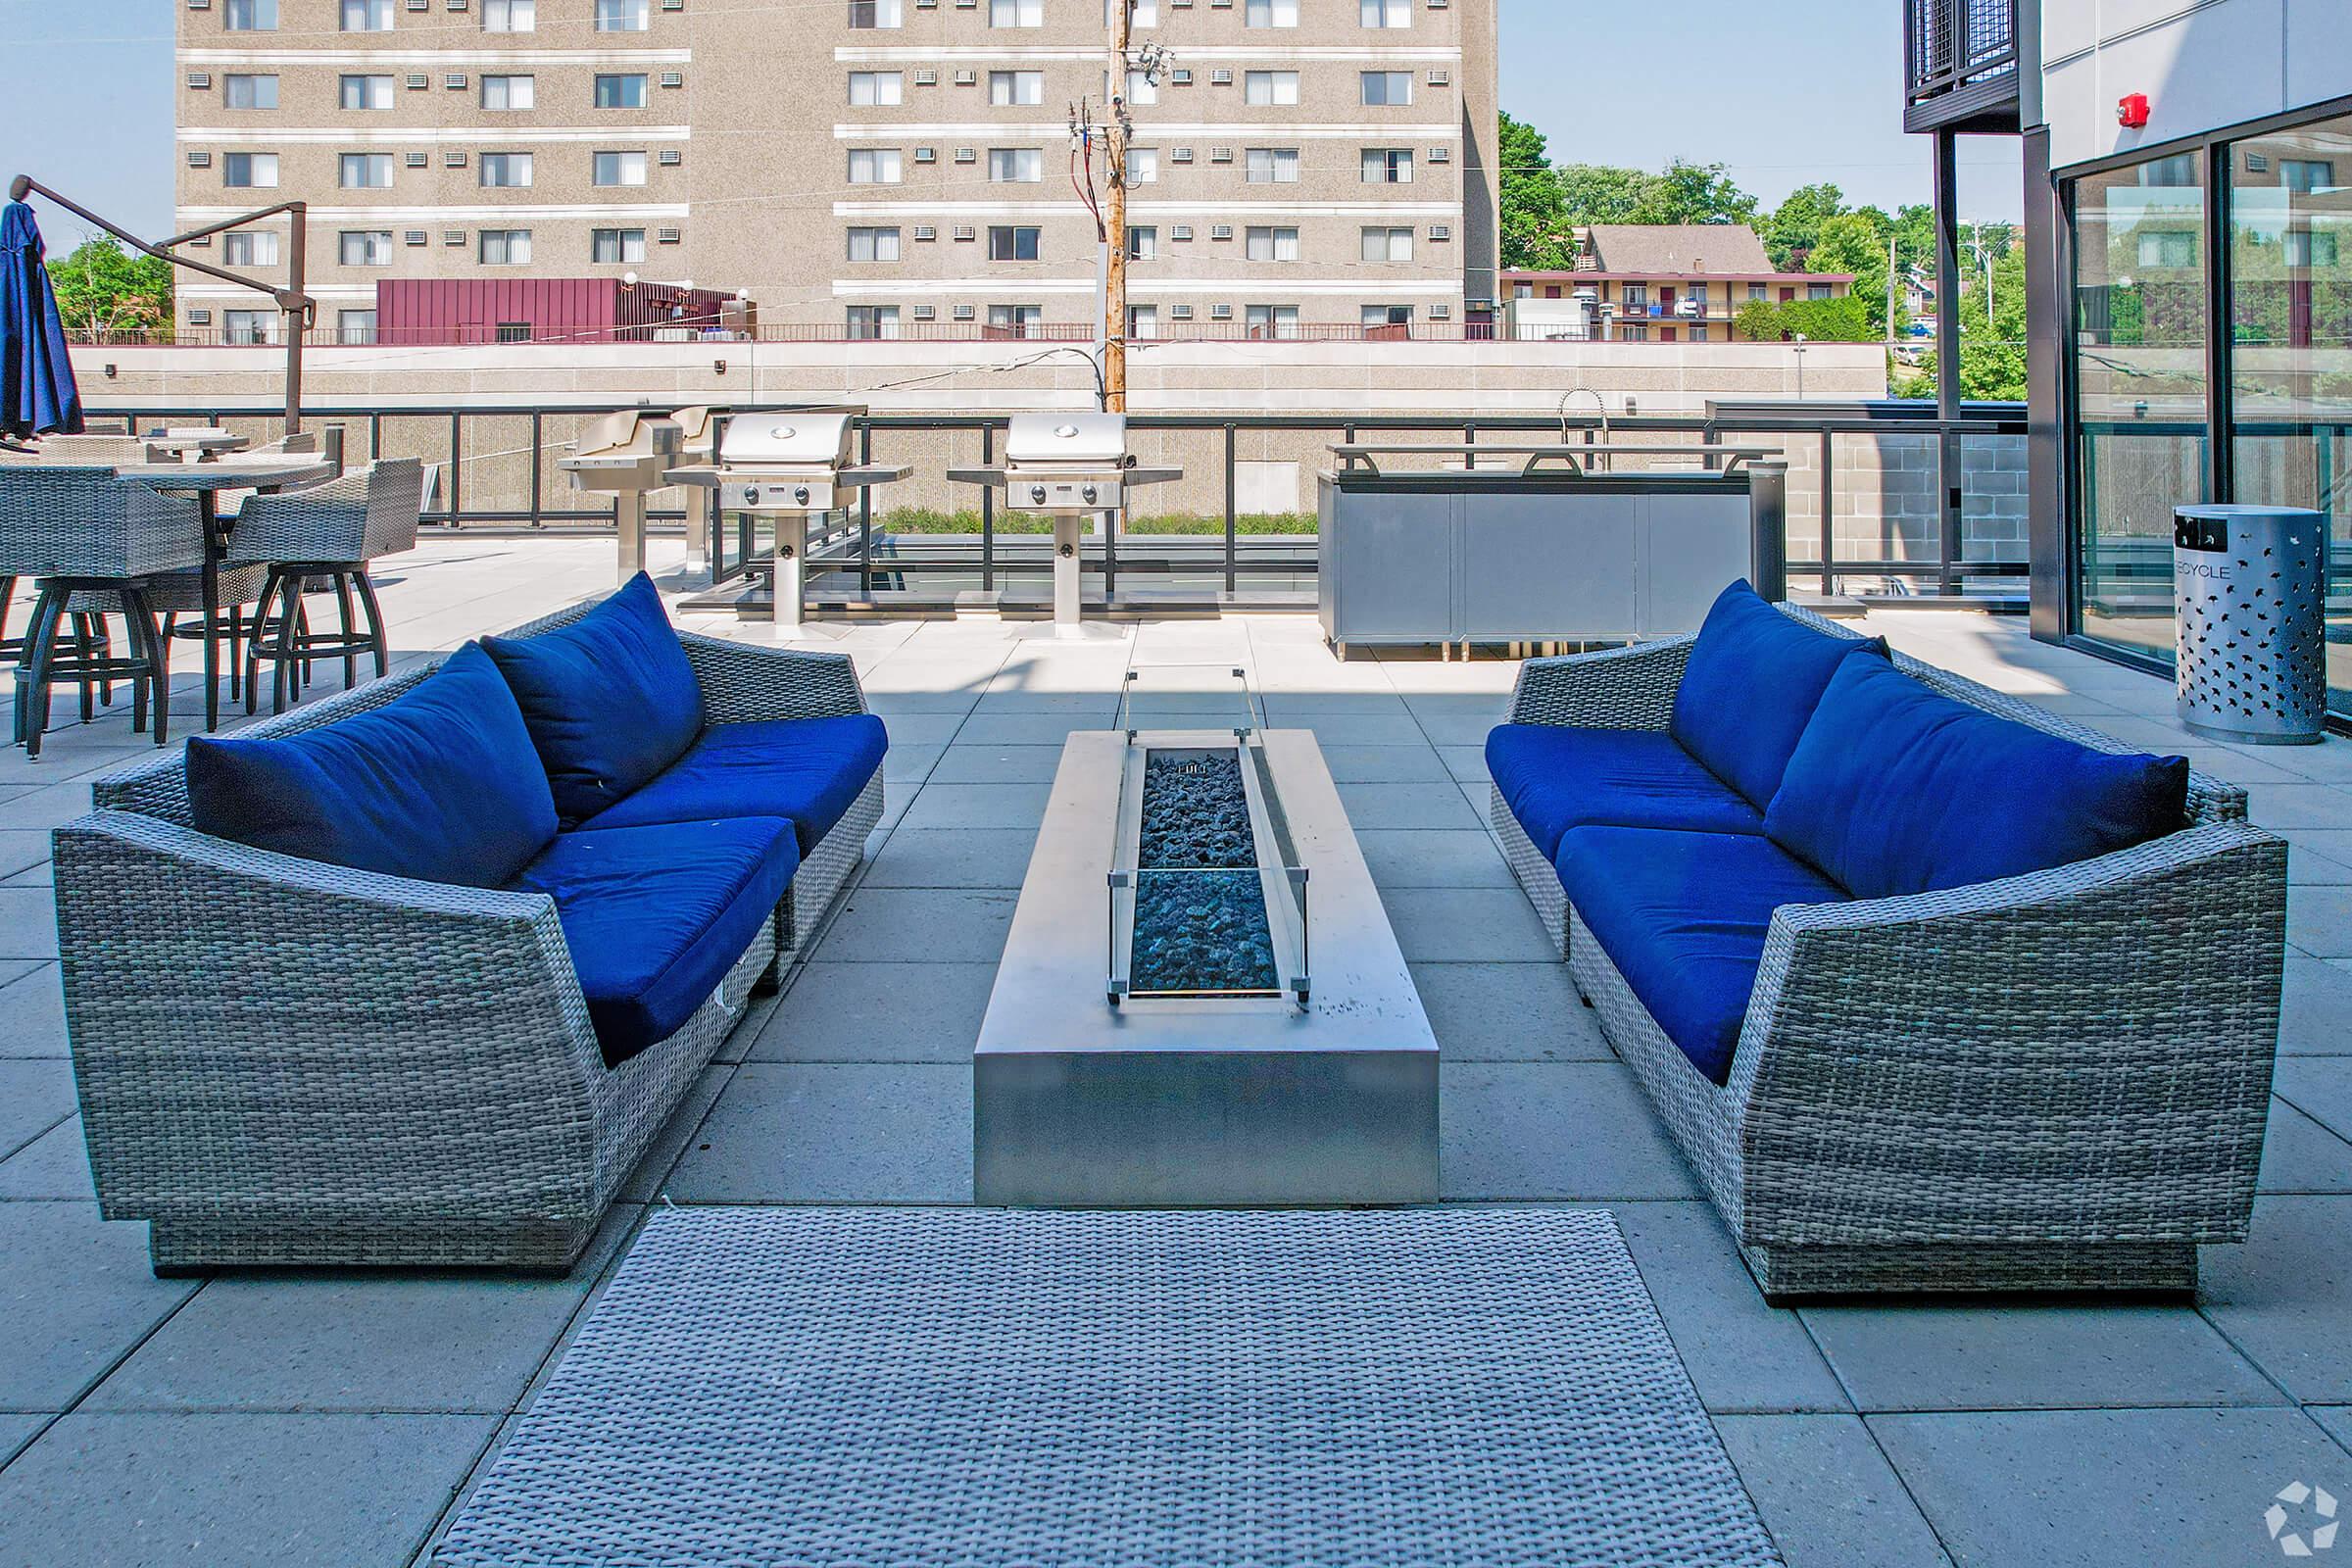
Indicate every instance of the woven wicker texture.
{"type": "Point", "coordinates": [2055, 1081]}
{"type": "Point", "coordinates": [366, 514]}
{"type": "Point", "coordinates": [984, 1388]}
{"type": "Point", "coordinates": [60, 521]}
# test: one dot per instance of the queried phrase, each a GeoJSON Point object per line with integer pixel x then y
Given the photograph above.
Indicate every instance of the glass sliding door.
{"type": "Point", "coordinates": [2290, 336]}
{"type": "Point", "coordinates": [2140, 337]}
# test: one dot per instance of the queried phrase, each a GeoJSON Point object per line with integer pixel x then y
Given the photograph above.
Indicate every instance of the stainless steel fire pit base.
{"type": "Point", "coordinates": [1224, 1101]}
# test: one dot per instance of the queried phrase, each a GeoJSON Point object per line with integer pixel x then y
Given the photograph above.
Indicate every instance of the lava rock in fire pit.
{"type": "Point", "coordinates": [1195, 813]}
{"type": "Point", "coordinates": [1199, 910]}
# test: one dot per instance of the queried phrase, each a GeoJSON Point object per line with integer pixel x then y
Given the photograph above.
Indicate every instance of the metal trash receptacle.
{"type": "Point", "coordinates": [2250, 590]}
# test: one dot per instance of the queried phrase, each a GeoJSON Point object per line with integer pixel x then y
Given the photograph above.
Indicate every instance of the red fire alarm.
{"type": "Point", "coordinates": [2131, 111]}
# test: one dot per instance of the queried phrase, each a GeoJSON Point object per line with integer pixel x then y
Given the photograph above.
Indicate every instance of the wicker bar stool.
{"type": "Point", "coordinates": [322, 540]}
{"type": "Point", "coordinates": [90, 540]}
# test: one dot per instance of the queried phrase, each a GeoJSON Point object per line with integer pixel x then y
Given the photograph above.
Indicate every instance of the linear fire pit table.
{"type": "Point", "coordinates": [1200, 1001]}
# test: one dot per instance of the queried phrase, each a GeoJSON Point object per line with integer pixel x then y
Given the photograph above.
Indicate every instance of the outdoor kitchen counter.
{"type": "Point", "coordinates": [1508, 552]}
{"type": "Point", "coordinates": [1209, 1101]}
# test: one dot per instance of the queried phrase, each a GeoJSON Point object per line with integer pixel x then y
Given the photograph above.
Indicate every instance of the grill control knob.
{"type": "Point", "coordinates": [1037, 494]}
{"type": "Point", "coordinates": [800, 495]}
{"type": "Point", "coordinates": [1091, 493]}
{"type": "Point", "coordinates": [751, 495]}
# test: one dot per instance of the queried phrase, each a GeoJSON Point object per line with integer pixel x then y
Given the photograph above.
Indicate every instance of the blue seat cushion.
{"type": "Point", "coordinates": [1896, 788]}
{"type": "Point", "coordinates": [808, 770]}
{"type": "Point", "coordinates": [610, 699]}
{"type": "Point", "coordinates": [1555, 777]}
{"type": "Point", "coordinates": [441, 784]}
{"type": "Point", "coordinates": [1683, 917]}
{"type": "Point", "coordinates": [655, 916]}
{"type": "Point", "coordinates": [1751, 684]}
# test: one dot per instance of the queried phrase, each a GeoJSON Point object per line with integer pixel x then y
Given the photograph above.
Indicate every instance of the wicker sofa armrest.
{"type": "Point", "coordinates": [1616, 688]}
{"type": "Point", "coordinates": [743, 682]}
{"type": "Point", "coordinates": [263, 1019]}
{"type": "Point", "coordinates": [2084, 1052]}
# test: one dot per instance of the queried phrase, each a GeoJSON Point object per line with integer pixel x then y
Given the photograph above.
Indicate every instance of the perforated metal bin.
{"type": "Point", "coordinates": [2250, 594]}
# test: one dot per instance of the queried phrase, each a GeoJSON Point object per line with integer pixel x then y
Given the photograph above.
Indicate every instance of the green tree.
{"type": "Point", "coordinates": [1693, 193]}
{"type": "Point", "coordinates": [1599, 193]}
{"type": "Point", "coordinates": [1794, 226]}
{"type": "Point", "coordinates": [1843, 320]}
{"type": "Point", "coordinates": [1536, 229]}
{"type": "Point", "coordinates": [1852, 243]}
{"type": "Point", "coordinates": [104, 291]}
{"type": "Point", "coordinates": [1992, 352]}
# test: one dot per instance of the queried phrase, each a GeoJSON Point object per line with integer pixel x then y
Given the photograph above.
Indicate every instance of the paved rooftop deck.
{"type": "Point", "coordinates": [336, 1420]}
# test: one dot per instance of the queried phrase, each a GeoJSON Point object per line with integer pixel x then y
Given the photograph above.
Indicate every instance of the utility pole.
{"type": "Point", "coordinates": [1114, 301]}
{"type": "Point", "coordinates": [1890, 286]}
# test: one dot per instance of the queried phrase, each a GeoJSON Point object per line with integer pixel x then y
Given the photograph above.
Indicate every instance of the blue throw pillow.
{"type": "Point", "coordinates": [441, 784]}
{"type": "Point", "coordinates": [1896, 788]}
{"type": "Point", "coordinates": [1750, 687]}
{"type": "Point", "coordinates": [610, 699]}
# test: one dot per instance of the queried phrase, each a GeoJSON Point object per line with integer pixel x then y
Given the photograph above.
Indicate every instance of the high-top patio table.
{"type": "Point", "coordinates": [199, 445]}
{"type": "Point", "coordinates": [261, 474]}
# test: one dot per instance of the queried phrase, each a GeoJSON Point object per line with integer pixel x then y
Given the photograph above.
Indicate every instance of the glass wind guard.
{"type": "Point", "coordinates": [1189, 697]}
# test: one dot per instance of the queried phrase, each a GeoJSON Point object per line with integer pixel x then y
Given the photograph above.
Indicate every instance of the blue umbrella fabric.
{"type": "Point", "coordinates": [37, 394]}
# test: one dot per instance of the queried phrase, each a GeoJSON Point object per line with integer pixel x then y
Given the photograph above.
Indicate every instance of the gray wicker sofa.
{"type": "Point", "coordinates": [286, 1062]}
{"type": "Point", "coordinates": [2053, 1080]}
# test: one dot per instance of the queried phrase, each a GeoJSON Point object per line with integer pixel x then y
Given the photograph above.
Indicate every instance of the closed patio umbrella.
{"type": "Point", "coordinates": [37, 394]}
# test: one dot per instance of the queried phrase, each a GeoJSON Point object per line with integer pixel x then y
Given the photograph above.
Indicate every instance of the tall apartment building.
{"type": "Point", "coordinates": [858, 165]}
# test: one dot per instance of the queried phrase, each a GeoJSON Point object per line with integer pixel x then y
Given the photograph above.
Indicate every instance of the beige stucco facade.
{"type": "Point", "coordinates": [763, 147]}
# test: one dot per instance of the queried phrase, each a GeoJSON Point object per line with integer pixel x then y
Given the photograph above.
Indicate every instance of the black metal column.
{"type": "Point", "coordinates": [2048, 442]}
{"type": "Point", "coordinates": [1947, 354]}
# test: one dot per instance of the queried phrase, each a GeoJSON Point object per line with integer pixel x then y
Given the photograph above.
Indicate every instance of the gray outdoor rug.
{"type": "Point", "coordinates": [1027, 1389]}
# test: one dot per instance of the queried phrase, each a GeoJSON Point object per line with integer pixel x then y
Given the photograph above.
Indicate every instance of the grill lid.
{"type": "Point", "coordinates": [812, 440]}
{"type": "Point", "coordinates": [1066, 440]}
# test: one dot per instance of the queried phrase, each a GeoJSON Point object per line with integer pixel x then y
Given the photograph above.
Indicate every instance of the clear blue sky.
{"type": "Point", "coordinates": [1814, 96]}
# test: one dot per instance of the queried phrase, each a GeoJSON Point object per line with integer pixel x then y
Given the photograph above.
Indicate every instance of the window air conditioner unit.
{"type": "Point", "coordinates": [965, 155]}
{"type": "Point", "coordinates": [926, 312]}
{"type": "Point", "coordinates": [671, 157]}
{"type": "Point", "coordinates": [926, 78]}
{"type": "Point", "coordinates": [454, 81]}
{"type": "Point", "coordinates": [414, 236]}
{"type": "Point", "coordinates": [200, 160]}
{"type": "Point", "coordinates": [1221, 231]}
{"type": "Point", "coordinates": [674, 78]}
{"type": "Point", "coordinates": [453, 160]}
{"type": "Point", "coordinates": [965, 312]}
{"type": "Point", "coordinates": [1180, 313]}
{"type": "Point", "coordinates": [965, 78]}
{"type": "Point", "coordinates": [1180, 233]}
{"type": "Point", "coordinates": [1441, 154]}
{"type": "Point", "coordinates": [1179, 155]}
{"type": "Point", "coordinates": [199, 80]}
{"type": "Point", "coordinates": [1221, 313]}
{"type": "Point", "coordinates": [665, 236]}
{"type": "Point", "coordinates": [966, 233]}
{"type": "Point", "coordinates": [417, 160]}
{"type": "Point", "coordinates": [420, 80]}
{"type": "Point", "coordinates": [925, 232]}
{"type": "Point", "coordinates": [926, 154]}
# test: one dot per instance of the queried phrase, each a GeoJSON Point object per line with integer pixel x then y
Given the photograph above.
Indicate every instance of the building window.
{"type": "Point", "coordinates": [248, 326]}
{"type": "Point", "coordinates": [511, 333]}
{"type": "Point", "coordinates": [622, 15]}
{"type": "Point", "coordinates": [365, 247]}
{"type": "Point", "coordinates": [1270, 14]}
{"type": "Point", "coordinates": [1633, 296]}
{"type": "Point", "coordinates": [364, 171]}
{"type": "Point", "coordinates": [1142, 322]}
{"type": "Point", "coordinates": [1381, 244]}
{"type": "Point", "coordinates": [1016, 12]}
{"type": "Point", "coordinates": [1143, 166]}
{"type": "Point", "coordinates": [1019, 320]}
{"type": "Point", "coordinates": [1009, 242]}
{"type": "Point", "coordinates": [612, 245]}
{"type": "Point", "coordinates": [1272, 165]}
{"type": "Point", "coordinates": [1757, 291]}
{"type": "Point", "coordinates": [1386, 316]}
{"type": "Point", "coordinates": [509, 16]}
{"type": "Point", "coordinates": [618, 168]}
{"type": "Point", "coordinates": [354, 326]}
{"type": "Point", "coordinates": [1270, 87]}
{"type": "Point", "coordinates": [878, 14]}
{"type": "Point", "coordinates": [1143, 244]}
{"type": "Point", "coordinates": [1381, 87]}
{"type": "Point", "coordinates": [1698, 331]}
{"type": "Point", "coordinates": [2140, 333]}
{"type": "Point", "coordinates": [1271, 244]}
{"type": "Point", "coordinates": [1271, 320]}
{"type": "Point", "coordinates": [366, 92]}
{"type": "Point", "coordinates": [1142, 13]}
{"type": "Point", "coordinates": [2307, 177]}
{"type": "Point", "coordinates": [367, 16]}
{"type": "Point", "coordinates": [506, 170]}
{"type": "Point", "coordinates": [249, 171]}
{"type": "Point", "coordinates": [248, 92]}
{"type": "Point", "coordinates": [874, 166]}
{"type": "Point", "coordinates": [873, 320]}
{"type": "Point", "coordinates": [1387, 166]}
{"type": "Point", "coordinates": [509, 92]}
{"type": "Point", "coordinates": [1818, 291]}
{"type": "Point", "coordinates": [249, 247]}
{"type": "Point", "coordinates": [617, 90]}
{"type": "Point", "coordinates": [1141, 88]}
{"type": "Point", "coordinates": [506, 247]}
{"type": "Point", "coordinates": [1016, 87]}
{"type": "Point", "coordinates": [1016, 166]}
{"type": "Point", "coordinates": [249, 15]}
{"type": "Point", "coordinates": [873, 244]}
{"type": "Point", "coordinates": [1384, 13]}
{"type": "Point", "coordinates": [870, 89]}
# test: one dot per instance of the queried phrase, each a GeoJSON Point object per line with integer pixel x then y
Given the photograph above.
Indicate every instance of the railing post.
{"type": "Point", "coordinates": [1829, 514]}
{"type": "Point", "coordinates": [457, 466]}
{"type": "Point", "coordinates": [538, 457]}
{"type": "Point", "coordinates": [988, 513]}
{"type": "Point", "coordinates": [1768, 529]}
{"type": "Point", "coordinates": [865, 517]}
{"type": "Point", "coordinates": [1231, 511]}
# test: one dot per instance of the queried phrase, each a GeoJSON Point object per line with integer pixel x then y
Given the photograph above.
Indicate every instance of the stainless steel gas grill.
{"type": "Point", "coordinates": [1071, 467]}
{"type": "Point", "coordinates": [623, 455]}
{"type": "Point", "coordinates": [797, 468]}
{"type": "Point", "coordinates": [698, 447]}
